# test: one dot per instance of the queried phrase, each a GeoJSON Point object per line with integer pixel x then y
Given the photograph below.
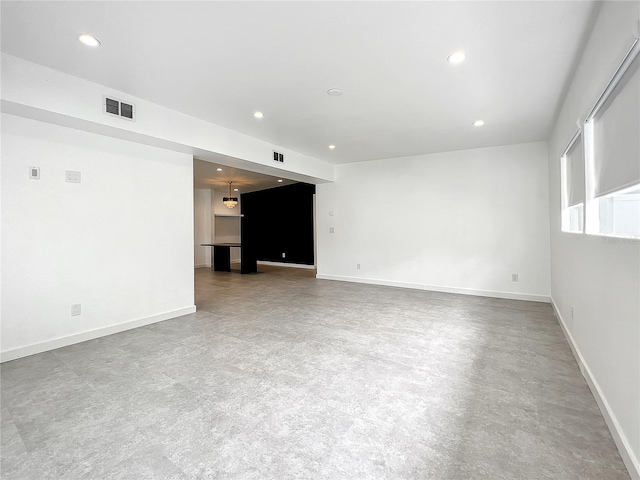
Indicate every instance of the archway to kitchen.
{"type": "Point", "coordinates": [267, 227]}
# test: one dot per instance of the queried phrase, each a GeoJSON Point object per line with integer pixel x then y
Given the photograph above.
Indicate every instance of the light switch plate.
{"type": "Point", "coordinates": [71, 176]}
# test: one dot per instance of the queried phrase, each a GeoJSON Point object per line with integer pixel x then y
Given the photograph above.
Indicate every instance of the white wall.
{"type": "Point", "coordinates": [202, 225]}
{"type": "Point", "coordinates": [120, 243]}
{"type": "Point", "coordinates": [459, 221]}
{"type": "Point", "coordinates": [600, 276]}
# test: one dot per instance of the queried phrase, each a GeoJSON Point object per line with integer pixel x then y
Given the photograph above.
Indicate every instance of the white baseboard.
{"type": "Point", "coordinates": [438, 288]}
{"type": "Point", "coordinates": [628, 457]}
{"type": "Point", "coordinates": [204, 265]}
{"type": "Point", "coordinates": [47, 345]}
{"type": "Point", "coordinates": [282, 264]}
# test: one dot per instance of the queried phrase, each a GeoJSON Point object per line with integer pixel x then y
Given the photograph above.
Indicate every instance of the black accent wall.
{"type": "Point", "coordinates": [280, 220]}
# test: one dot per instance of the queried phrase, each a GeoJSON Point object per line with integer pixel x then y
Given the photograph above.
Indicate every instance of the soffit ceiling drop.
{"type": "Point", "coordinates": [206, 175]}
{"type": "Point", "coordinates": [223, 61]}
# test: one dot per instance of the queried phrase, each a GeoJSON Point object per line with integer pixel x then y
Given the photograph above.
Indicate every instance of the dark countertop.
{"type": "Point", "coordinates": [220, 244]}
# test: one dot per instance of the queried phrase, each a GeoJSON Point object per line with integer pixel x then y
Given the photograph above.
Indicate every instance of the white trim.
{"type": "Point", "coordinates": [529, 297]}
{"type": "Point", "coordinates": [281, 264]}
{"type": "Point", "coordinates": [612, 237]}
{"type": "Point", "coordinates": [60, 342]}
{"type": "Point", "coordinates": [203, 265]}
{"type": "Point", "coordinates": [626, 452]}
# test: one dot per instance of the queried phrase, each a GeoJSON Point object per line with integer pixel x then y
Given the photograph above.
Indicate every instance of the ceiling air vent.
{"type": "Point", "coordinates": [113, 106]}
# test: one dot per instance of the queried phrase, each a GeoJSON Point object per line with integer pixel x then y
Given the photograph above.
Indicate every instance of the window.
{"type": "Point", "coordinates": [616, 126]}
{"type": "Point", "coordinates": [619, 213]}
{"type": "Point", "coordinates": [612, 143]}
{"type": "Point", "coordinates": [573, 182]}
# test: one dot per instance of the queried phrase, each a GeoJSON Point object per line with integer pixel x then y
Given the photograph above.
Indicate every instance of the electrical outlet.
{"type": "Point", "coordinates": [76, 309]}
{"type": "Point", "coordinates": [331, 230]}
{"type": "Point", "coordinates": [71, 176]}
{"type": "Point", "coordinates": [514, 277]}
{"type": "Point", "coordinates": [283, 255]}
{"type": "Point", "coordinates": [572, 312]}
{"type": "Point", "coordinates": [358, 266]}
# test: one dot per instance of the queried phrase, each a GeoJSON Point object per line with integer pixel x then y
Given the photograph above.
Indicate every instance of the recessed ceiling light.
{"type": "Point", "coordinates": [334, 92]}
{"type": "Point", "coordinates": [457, 57]}
{"type": "Point", "coordinates": [279, 180]}
{"type": "Point", "coordinates": [235, 189]}
{"type": "Point", "coordinates": [258, 115]}
{"type": "Point", "coordinates": [89, 40]}
{"type": "Point", "coordinates": [219, 169]}
{"type": "Point", "coordinates": [478, 123]}
{"type": "Point", "coordinates": [331, 147]}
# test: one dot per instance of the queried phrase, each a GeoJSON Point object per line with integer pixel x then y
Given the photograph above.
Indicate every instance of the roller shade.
{"type": "Point", "coordinates": [575, 172]}
{"type": "Point", "coordinates": [617, 135]}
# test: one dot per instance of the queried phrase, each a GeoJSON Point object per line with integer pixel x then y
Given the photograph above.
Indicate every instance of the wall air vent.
{"type": "Point", "coordinates": [113, 106]}
{"type": "Point", "coordinates": [126, 110]}
{"type": "Point", "coordinates": [278, 157]}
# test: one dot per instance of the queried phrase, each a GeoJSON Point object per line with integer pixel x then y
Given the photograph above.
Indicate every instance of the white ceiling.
{"type": "Point", "coordinates": [206, 175]}
{"type": "Point", "coordinates": [221, 61]}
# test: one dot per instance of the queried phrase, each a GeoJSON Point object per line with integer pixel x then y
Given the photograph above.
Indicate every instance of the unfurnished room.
{"type": "Point", "coordinates": [320, 240]}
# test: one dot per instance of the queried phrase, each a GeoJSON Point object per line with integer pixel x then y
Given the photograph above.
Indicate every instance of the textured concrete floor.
{"type": "Point", "coordinates": [282, 376]}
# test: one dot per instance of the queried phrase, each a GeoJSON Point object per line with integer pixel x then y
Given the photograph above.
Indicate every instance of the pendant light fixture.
{"type": "Point", "coordinates": [230, 202]}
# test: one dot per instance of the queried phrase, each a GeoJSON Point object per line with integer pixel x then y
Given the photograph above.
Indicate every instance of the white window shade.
{"type": "Point", "coordinates": [574, 159]}
{"type": "Point", "coordinates": [616, 159]}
